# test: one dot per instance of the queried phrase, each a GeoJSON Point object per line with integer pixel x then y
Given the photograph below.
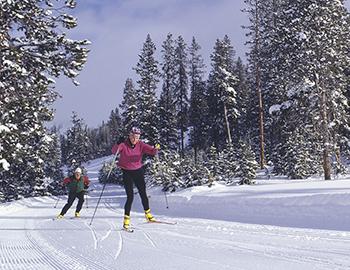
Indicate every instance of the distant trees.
{"type": "Point", "coordinates": [287, 106]}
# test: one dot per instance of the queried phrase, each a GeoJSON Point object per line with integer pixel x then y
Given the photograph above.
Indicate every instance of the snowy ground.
{"type": "Point", "coordinates": [276, 224]}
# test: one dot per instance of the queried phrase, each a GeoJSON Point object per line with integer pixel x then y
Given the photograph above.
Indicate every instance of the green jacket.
{"type": "Point", "coordinates": [76, 185]}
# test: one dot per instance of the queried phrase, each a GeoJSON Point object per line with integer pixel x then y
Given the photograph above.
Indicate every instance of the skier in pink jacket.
{"type": "Point", "coordinates": [130, 161]}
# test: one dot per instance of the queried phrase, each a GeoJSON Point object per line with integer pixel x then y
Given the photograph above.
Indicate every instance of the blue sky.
{"type": "Point", "coordinates": [117, 30]}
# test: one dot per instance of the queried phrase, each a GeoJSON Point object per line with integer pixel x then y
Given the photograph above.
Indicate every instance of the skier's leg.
{"type": "Point", "coordinates": [80, 197]}
{"type": "Point", "coordinates": [128, 185]}
{"type": "Point", "coordinates": [139, 179]}
{"type": "Point", "coordinates": [71, 198]}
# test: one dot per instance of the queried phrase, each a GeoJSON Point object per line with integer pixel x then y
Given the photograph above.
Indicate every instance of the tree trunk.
{"type": "Point", "coordinates": [195, 155]}
{"type": "Point", "coordinates": [258, 89]}
{"type": "Point", "coordinates": [182, 144]}
{"type": "Point", "coordinates": [227, 126]}
{"type": "Point", "coordinates": [324, 129]}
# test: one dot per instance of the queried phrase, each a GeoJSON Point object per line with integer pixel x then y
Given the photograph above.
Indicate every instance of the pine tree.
{"type": "Point", "coordinates": [310, 46]}
{"type": "Point", "coordinates": [260, 14]}
{"type": "Point", "coordinates": [78, 144]}
{"type": "Point", "coordinates": [298, 160]}
{"type": "Point", "coordinates": [221, 93]}
{"type": "Point", "coordinates": [115, 127]}
{"type": "Point", "coordinates": [100, 141]}
{"type": "Point", "coordinates": [243, 125]}
{"type": "Point", "coordinates": [247, 163]}
{"type": "Point", "coordinates": [167, 171]}
{"type": "Point", "coordinates": [114, 177]}
{"type": "Point", "coordinates": [181, 90]}
{"type": "Point", "coordinates": [33, 49]}
{"type": "Point", "coordinates": [212, 165]}
{"type": "Point", "coordinates": [167, 108]}
{"type": "Point", "coordinates": [147, 70]}
{"type": "Point", "coordinates": [129, 107]}
{"type": "Point", "coordinates": [228, 164]}
{"type": "Point", "coordinates": [198, 112]}
{"type": "Point", "coordinates": [53, 163]}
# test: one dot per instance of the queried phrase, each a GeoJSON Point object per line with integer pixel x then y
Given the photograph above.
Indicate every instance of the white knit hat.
{"type": "Point", "coordinates": [77, 170]}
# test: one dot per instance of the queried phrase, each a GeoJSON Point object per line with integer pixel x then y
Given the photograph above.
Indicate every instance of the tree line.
{"type": "Point", "coordinates": [287, 107]}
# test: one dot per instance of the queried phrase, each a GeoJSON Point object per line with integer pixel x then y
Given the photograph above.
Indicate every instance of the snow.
{"type": "Point", "coordinates": [274, 108]}
{"type": "Point", "coordinates": [4, 129]}
{"type": "Point", "coordinates": [5, 165]}
{"type": "Point", "coordinates": [275, 224]}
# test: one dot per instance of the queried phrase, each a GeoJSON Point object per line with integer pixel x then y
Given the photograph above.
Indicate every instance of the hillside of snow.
{"type": "Point", "coordinates": [275, 224]}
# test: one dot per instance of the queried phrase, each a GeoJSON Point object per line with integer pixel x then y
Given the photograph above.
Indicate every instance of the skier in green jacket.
{"type": "Point", "coordinates": [76, 185]}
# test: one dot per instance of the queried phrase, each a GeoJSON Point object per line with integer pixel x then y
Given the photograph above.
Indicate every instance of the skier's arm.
{"type": "Point", "coordinates": [148, 149]}
{"type": "Point", "coordinates": [86, 182]}
{"type": "Point", "coordinates": [117, 148]}
{"type": "Point", "coordinates": [66, 181]}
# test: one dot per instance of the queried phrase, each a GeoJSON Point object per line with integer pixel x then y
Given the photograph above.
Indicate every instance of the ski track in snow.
{"type": "Point", "coordinates": [32, 240]}
{"type": "Point", "coordinates": [120, 246]}
{"type": "Point", "coordinates": [93, 233]}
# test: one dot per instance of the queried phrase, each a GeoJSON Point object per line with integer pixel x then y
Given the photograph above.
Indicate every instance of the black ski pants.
{"type": "Point", "coordinates": [71, 198]}
{"type": "Point", "coordinates": [129, 178]}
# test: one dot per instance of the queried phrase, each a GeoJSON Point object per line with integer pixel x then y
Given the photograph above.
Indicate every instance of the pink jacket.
{"type": "Point", "coordinates": [131, 158]}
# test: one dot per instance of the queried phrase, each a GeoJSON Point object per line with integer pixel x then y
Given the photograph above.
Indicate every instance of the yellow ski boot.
{"type": "Point", "coordinates": [126, 223]}
{"type": "Point", "coordinates": [77, 214]}
{"type": "Point", "coordinates": [149, 216]}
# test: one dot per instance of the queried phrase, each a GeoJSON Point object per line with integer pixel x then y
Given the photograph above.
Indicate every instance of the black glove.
{"type": "Point", "coordinates": [86, 187]}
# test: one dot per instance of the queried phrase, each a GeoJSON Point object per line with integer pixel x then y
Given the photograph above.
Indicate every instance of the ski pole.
{"type": "Point", "coordinates": [58, 198]}
{"type": "Point", "coordinates": [162, 173]}
{"type": "Point", "coordinates": [86, 198]}
{"type": "Point", "coordinates": [103, 188]}
{"type": "Point", "coordinates": [166, 200]}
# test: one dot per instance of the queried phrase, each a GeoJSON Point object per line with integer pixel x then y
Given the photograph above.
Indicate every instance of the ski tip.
{"type": "Point", "coordinates": [162, 222]}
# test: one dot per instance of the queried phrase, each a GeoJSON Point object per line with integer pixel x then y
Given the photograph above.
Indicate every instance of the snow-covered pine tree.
{"type": "Point", "coordinates": [243, 126]}
{"type": "Point", "coordinates": [228, 164]}
{"type": "Point", "coordinates": [167, 110]}
{"type": "Point", "coordinates": [147, 70]}
{"type": "Point", "coordinates": [270, 69]}
{"type": "Point", "coordinates": [198, 112]}
{"type": "Point", "coordinates": [197, 175]}
{"type": "Point", "coordinates": [290, 122]}
{"type": "Point", "coordinates": [212, 165]}
{"type": "Point", "coordinates": [77, 144]}
{"type": "Point", "coordinates": [33, 49]}
{"type": "Point", "coordinates": [167, 171]}
{"type": "Point", "coordinates": [298, 161]}
{"type": "Point", "coordinates": [311, 46]}
{"type": "Point", "coordinates": [181, 89]}
{"type": "Point", "coordinates": [116, 175]}
{"type": "Point", "coordinates": [221, 93]}
{"type": "Point", "coordinates": [259, 14]}
{"type": "Point", "coordinates": [129, 110]}
{"type": "Point", "coordinates": [115, 127]}
{"type": "Point", "coordinates": [247, 163]}
{"type": "Point", "coordinates": [100, 141]}
{"type": "Point", "coordinates": [53, 163]}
